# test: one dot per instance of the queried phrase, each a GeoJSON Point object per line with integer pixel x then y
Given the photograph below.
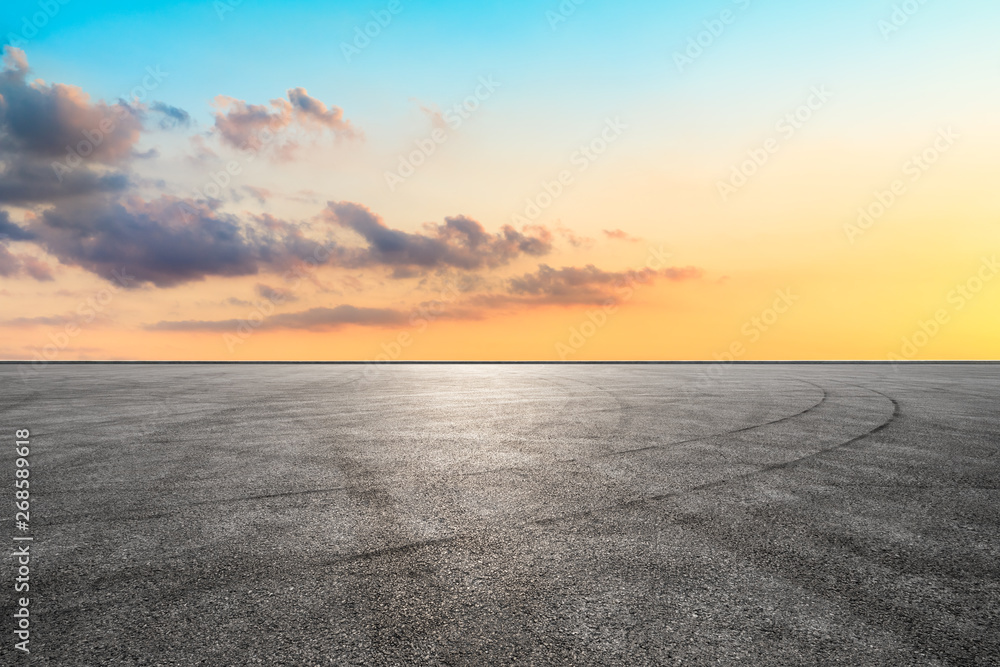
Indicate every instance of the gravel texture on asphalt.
{"type": "Point", "coordinates": [508, 514]}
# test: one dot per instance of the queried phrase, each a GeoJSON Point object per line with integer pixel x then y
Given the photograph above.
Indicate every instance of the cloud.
{"type": "Point", "coordinates": [676, 274]}
{"type": "Point", "coordinates": [86, 214]}
{"type": "Point", "coordinates": [260, 194]}
{"type": "Point", "coordinates": [13, 265]}
{"type": "Point", "coordinates": [15, 60]}
{"type": "Point", "coordinates": [202, 151]}
{"type": "Point", "coordinates": [573, 239]}
{"type": "Point", "coordinates": [565, 286]}
{"type": "Point", "coordinates": [167, 241]}
{"type": "Point", "coordinates": [276, 294]}
{"type": "Point", "coordinates": [619, 235]}
{"type": "Point", "coordinates": [435, 115]}
{"type": "Point", "coordinates": [36, 268]}
{"type": "Point", "coordinates": [252, 126]}
{"type": "Point", "coordinates": [314, 319]}
{"type": "Point", "coordinates": [46, 321]}
{"type": "Point", "coordinates": [12, 231]}
{"type": "Point", "coordinates": [170, 241]}
{"type": "Point", "coordinates": [239, 124]}
{"type": "Point", "coordinates": [588, 284]}
{"type": "Point", "coordinates": [26, 181]}
{"type": "Point", "coordinates": [10, 264]}
{"type": "Point", "coordinates": [460, 242]}
{"type": "Point", "coordinates": [52, 121]}
{"type": "Point", "coordinates": [310, 110]}
{"type": "Point", "coordinates": [171, 116]}
{"type": "Point", "coordinates": [48, 132]}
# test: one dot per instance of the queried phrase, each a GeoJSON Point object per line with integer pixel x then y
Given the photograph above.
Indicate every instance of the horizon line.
{"type": "Point", "coordinates": [914, 362]}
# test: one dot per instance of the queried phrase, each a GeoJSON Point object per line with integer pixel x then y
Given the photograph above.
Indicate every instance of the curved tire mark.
{"type": "Point", "coordinates": [815, 406]}
{"type": "Point", "coordinates": [896, 412]}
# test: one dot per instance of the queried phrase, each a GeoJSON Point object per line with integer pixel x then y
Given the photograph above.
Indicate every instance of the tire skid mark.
{"type": "Point", "coordinates": [82, 518]}
{"type": "Point", "coordinates": [410, 547]}
{"type": "Point", "coordinates": [896, 412]}
{"type": "Point", "coordinates": [527, 471]}
{"type": "Point", "coordinates": [815, 406]}
{"type": "Point", "coordinates": [407, 547]}
{"type": "Point", "coordinates": [918, 487]}
{"type": "Point", "coordinates": [521, 471]}
{"type": "Point", "coordinates": [422, 544]}
{"type": "Point", "coordinates": [15, 405]}
{"type": "Point", "coordinates": [996, 449]}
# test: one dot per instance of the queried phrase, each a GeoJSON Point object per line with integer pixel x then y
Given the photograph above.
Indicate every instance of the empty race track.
{"type": "Point", "coordinates": [510, 514]}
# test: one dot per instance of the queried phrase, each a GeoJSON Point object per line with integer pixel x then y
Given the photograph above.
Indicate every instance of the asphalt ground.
{"type": "Point", "coordinates": [499, 514]}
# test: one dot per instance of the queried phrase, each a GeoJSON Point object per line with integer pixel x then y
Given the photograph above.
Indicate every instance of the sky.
{"type": "Point", "coordinates": [574, 181]}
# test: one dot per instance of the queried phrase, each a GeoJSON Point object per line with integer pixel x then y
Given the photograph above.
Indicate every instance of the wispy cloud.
{"type": "Point", "coordinates": [171, 116]}
{"type": "Point", "coordinates": [251, 126]}
{"type": "Point", "coordinates": [619, 235]}
{"type": "Point", "coordinates": [314, 319]}
{"type": "Point", "coordinates": [586, 285]}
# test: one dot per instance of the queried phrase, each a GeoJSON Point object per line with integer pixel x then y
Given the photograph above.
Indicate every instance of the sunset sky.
{"type": "Point", "coordinates": [505, 180]}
